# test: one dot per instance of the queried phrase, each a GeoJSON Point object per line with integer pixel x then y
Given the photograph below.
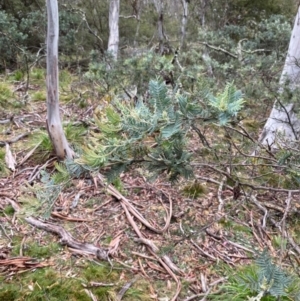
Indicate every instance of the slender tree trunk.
{"type": "Point", "coordinates": [283, 120]}
{"type": "Point", "coordinates": [54, 125]}
{"type": "Point", "coordinates": [136, 5]}
{"type": "Point", "coordinates": [159, 5]}
{"type": "Point", "coordinates": [113, 41]}
{"type": "Point", "coordinates": [185, 6]}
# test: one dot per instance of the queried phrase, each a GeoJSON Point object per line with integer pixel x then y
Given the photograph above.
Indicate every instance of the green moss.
{"type": "Point", "coordinates": [36, 250]}
{"type": "Point", "coordinates": [9, 293]}
{"type": "Point", "coordinates": [194, 190]}
{"type": "Point", "coordinates": [43, 284]}
{"type": "Point", "coordinates": [94, 272]}
{"type": "Point", "coordinates": [16, 242]}
{"type": "Point", "coordinates": [9, 210]}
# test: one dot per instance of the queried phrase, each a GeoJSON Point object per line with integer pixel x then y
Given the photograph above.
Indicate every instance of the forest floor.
{"type": "Point", "coordinates": [195, 243]}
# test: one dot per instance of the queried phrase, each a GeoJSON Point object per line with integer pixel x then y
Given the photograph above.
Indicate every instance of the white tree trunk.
{"type": "Point", "coordinates": [283, 121]}
{"type": "Point", "coordinates": [113, 41]}
{"type": "Point", "coordinates": [159, 5]}
{"type": "Point", "coordinates": [185, 6]}
{"type": "Point", "coordinates": [54, 125]}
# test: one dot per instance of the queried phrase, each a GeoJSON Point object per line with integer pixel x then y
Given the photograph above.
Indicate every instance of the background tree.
{"type": "Point", "coordinates": [185, 11]}
{"type": "Point", "coordinates": [113, 40]}
{"type": "Point", "coordinates": [283, 119]}
{"type": "Point", "coordinates": [159, 6]}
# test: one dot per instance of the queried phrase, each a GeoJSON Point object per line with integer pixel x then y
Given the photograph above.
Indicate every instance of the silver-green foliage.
{"type": "Point", "coordinates": [263, 281]}
{"type": "Point", "coordinates": [153, 132]}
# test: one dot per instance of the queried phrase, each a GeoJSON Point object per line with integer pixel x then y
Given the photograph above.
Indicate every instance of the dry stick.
{"type": "Point", "coordinates": [15, 139]}
{"type": "Point", "coordinates": [282, 225]}
{"type": "Point", "coordinates": [213, 181]}
{"type": "Point", "coordinates": [142, 268]}
{"type": "Point", "coordinates": [35, 172]}
{"type": "Point", "coordinates": [253, 231]}
{"type": "Point", "coordinates": [286, 211]}
{"type": "Point", "coordinates": [90, 294]}
{"type": "Point", "coordinates": [203, 282]}
{"type": "Point", "coordinates": [5, 234]}
{"type": "Point", "coordinates": [239, 246]}
{"type": "Point", "coordinates": [133, 210]}
{"type": "Point", "coordinates": [204, 295]}
{"type": "Point", "coordinates": [124, 289]}
{"type": "Point", "coordinates": [254, 187]}
{"type": "Point", "coordinates": [202, 251]}
{"type": "Point", "coordinates": [261, 207]}
{"type": "Point", "coordinates": [247, 135]}
{"type": "Point", "coordinates": [221, 201]}
{"type": "Point", "coordinates": [152, 249]}
{"type": "Point", "coordinates": [66, 238]}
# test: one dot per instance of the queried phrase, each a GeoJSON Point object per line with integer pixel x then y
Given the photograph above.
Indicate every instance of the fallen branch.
{"type": "Point", "coordinates": [14, 139]}
{"type": "Point", "coordinates": [70, 218]}
{"type": "Point", "coordinates": [67, 239]}
{"type": "Point", "coordinates": [133, 210]}
{"type": "Point", "coordinates": [165, 261]}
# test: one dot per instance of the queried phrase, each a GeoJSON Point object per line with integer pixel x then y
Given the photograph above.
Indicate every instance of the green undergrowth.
{"type": "Point", "coordinates": [261, 280]}
{"type": "Point", "coordinates": [42, 145]}
{"type": "Point", "coordinates": [73, 283]}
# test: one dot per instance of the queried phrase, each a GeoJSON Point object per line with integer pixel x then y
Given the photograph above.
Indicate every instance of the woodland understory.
{"type": "Point", "coordinates": [141, 239]}
{"type": "Point", "coordinates": [168, 191]}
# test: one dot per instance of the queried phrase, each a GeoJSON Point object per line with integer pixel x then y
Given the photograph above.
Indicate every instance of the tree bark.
{"type": "Point", "coordinates": [283, 121]}
{"type": "Point", "coordinates": [159, 5]}
{"type": "Point", "coordinates": [113, 41]}
{"type": "Point", "coordinates": [185, 6]}
{"type": "Point", "coordinates": [54, 125]}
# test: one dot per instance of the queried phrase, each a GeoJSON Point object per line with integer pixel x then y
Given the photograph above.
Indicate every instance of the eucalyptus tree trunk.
{"type": "Point", "coordinates": [113, 40]}
{"type": "Point", "coordinates": [137, 6]}
{"type": "Point", "coordinates": [185, 7]}
{"type": "Point", "coordinates": [283, 120]}
{"type": "Point", "coordinates": [159, 5]}
{"type": "Point", "coordinates": [54, 125]}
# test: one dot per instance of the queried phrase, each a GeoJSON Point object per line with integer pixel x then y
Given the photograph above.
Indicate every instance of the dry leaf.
{"type": "Point", "coordinates": [9, 158]}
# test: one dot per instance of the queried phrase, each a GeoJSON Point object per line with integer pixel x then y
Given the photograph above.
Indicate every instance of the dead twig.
{"type": "Point", "coordinates": [124, 289]}
{"type": "Point", "coordinates": [286, 211]}
{"type": "Point", "coordinates": [202, 251]}
{"type": "Point", "coordinates": [220, 189]}
{"type": "Point", "coordinates": [152, 248]}
{"type": "Point", "coordinates": [133, 210]}
{"type": "Point", "coordinates": [14, 139]}
{"type": "Point", "coordinates": [253, 199]}
{"type": "Point", "coordinates": [70, 218]}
